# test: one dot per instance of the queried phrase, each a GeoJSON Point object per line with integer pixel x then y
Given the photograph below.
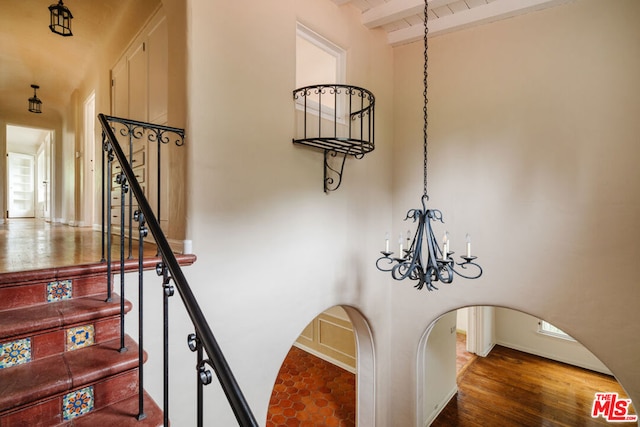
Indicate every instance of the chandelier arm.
{"type": "Point", "coordinates": [389, 262]}
{"type": "Point", "coordinates": [464, 265]}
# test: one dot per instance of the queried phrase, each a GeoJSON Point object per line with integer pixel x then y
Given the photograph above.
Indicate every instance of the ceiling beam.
{"type": "Point", "coordinates": [496, 10]}
{"type": "Point", "coordinates": [395, 10]}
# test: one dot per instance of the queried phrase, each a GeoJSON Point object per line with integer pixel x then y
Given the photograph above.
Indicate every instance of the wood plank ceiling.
{"type": "Point", "coordinates": [403, 20]}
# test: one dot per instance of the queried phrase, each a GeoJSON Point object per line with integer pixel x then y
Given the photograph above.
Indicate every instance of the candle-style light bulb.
{"type": "Point", "coordinates": [468, 246]}
{"type": "Point", "coordinates": [445, 245]}
{"type": "Point", "coordinates": [386, 242]}
{"type": "Point", "coordinates": [400, 243]}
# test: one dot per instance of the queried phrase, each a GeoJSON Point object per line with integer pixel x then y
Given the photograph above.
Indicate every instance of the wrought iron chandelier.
{"type": "Point", "coordinates": [410, 262]}
{"type": "Point", "coordinates": [60, 19]}
{"type": "Point", "coordinates": [35, 105]}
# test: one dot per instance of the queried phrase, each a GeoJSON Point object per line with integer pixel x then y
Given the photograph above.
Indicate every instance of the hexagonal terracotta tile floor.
{"type": "Point", "coordinates": [310, 392]}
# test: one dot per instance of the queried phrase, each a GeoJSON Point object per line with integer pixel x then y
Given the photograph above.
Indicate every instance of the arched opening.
{"type": "Point", "coordinates": [317, 382]}
{"type": "Point", "coordinates": [520, 373]}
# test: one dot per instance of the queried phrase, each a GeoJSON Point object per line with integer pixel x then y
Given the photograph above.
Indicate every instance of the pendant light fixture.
{"type": "Point", "coordinates": [60, 19]}
{"type": "Point", "coordinates": [35, 105]}
{"type": "Point", "coordinates": [409, 263]}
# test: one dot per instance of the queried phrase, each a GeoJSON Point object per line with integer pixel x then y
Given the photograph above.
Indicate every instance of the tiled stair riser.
{"type": "Point", "coordinates": [50, 291]}
{"type": "Point", "coordinates": [51, 412]}
{"type": "Point", "coordinates": [15, 352]}
{"type": "Point", "coordinates": [68, 335]}
{"type": "Point", "coordinates": [58, 341]}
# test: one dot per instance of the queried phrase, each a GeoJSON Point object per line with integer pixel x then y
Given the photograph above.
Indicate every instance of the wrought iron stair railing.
{"type": "Point", "coordinates": [202, 341]}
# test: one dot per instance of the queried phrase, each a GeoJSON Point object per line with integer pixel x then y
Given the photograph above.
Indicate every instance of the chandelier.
{"type": "Point", "coordinates": [60, 19]}
{"type": "Point", "coordinates": [35, 105]}
{"type": "Point", "coordinates": [410, 262]}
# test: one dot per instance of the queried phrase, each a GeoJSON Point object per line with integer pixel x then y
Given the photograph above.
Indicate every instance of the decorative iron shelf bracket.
{"type": "Point", "coordinates": [338, 119]}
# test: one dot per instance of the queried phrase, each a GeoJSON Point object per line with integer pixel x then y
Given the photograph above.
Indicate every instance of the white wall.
{"type": "Point", "coordinates": [439, 368]}
{"type": "Point", "coordinates": [462, 319]}
{"type": "Point", "coordinates": [520, 331]}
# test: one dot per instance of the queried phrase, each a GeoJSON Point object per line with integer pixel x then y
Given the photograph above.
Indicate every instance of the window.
{"type": "Point", "coordinates": [547, 328]}
{"type": "Point", "coordinates": [318, 61]}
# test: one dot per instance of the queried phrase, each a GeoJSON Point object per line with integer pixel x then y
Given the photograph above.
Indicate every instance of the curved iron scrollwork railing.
{"type": "Point", "coordinates": [338, 119]}
{"type": "Point", "coordinates": [202, 340]}
{"type": "Point", "coordinates": [134, 131]}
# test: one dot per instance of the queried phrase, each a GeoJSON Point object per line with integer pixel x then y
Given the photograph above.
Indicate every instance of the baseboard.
{"type": "Point", "coordinates": [486, 351]}
{"type": "Point", "coordinates": [549, 356]}
{"type": "Point", "coordinates": [443, 403]}
{"type": "Point", "coordinates": [325, 357]}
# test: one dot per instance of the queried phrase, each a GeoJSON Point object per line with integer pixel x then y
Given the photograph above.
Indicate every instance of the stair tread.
{"type": "Point", "coordinates": [123, 414]}
{"type": "Point", "coordinates": [22, 321]}
{"type": "Point", "coordinates": [63, 372]}
{"type": "Point", "coordinates": [13, 278]}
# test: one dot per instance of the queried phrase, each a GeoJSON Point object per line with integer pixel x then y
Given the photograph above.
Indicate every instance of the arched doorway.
{"type": "Point", "coordinates": [317, 382]}
{"type": "Point", "coordinates": [538, 375]}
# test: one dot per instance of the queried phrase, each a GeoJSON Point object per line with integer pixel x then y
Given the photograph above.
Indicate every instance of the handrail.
{"type": "Point", "coordinates": [236, 399]}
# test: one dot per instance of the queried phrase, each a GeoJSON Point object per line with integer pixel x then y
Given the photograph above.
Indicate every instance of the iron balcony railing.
{"type": "Point", "coordinates": [202, 341]}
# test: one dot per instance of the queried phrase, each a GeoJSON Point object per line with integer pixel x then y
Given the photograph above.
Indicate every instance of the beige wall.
{"type": "Point", "coordinates": [275, 250]}
{"type": "Point", "coordinates": [533, 150]}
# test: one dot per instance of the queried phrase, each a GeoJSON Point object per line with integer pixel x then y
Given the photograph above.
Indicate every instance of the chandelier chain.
{"type": "Point", "coordinates": [424, 94]}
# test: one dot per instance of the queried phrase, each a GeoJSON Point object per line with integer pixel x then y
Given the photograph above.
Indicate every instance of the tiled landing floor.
{"type": "Point", "coordinates": [310, 392]}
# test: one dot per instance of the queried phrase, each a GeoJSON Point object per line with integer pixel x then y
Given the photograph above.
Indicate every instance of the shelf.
{"type": "Point", "coordinates": [335, 119]}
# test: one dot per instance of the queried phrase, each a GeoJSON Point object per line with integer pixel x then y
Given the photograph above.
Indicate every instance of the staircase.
{"type": "Point", "coordinates": [60, 357]}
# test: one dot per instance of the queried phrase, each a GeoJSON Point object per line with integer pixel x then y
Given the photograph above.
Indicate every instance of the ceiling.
{"type": "Point", "coordinates": [31, 54]}
{"type": "Point", "coordinates": [403, 20]}
{"type": "Point", "coordinates": [24, 139]}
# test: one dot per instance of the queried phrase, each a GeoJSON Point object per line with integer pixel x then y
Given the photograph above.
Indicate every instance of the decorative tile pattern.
{"type": "Point", "coordinates": [80, 336]}
{"type": "Point", "coordinates": [15, 353]}
{"type": "Point", "coordinates": [59, 290]}
{"type": "Point", "coordinates": [77, 403]}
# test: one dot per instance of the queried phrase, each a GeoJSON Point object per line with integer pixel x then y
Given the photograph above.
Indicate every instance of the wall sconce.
{"type": "Point", "coordinates": [35, 105]}
{"type": "Point", "coordinates": [60, 19]}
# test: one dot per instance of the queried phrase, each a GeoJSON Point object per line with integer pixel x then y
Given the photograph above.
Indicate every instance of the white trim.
{"type": "Point", "coordinates": [493, 11]}
{"type": "Point", "coordinates": [326, 358]}
{"type": "Point", "coordinates": [329, 47]}
{"type": "Point", "coordinates": [443, 404]}
{"type": "Point", "coordinates": [366, 368]}
{"type": "Point", "coordinates": [340, 55]}
{"type": "Point", "coordinates": [550, 333]}
{"type": "Point", "coordinates": [395, 10]}
{"type": "Point", "coordinates": [485, 352]}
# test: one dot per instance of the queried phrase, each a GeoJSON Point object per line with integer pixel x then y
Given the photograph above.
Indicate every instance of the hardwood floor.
{"type": "Point", "coordinates": [511, 388]}
{"type": "Point", "coordinates": [27, 244]}
{"type": "Point", "coordinates": [463, 357]}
